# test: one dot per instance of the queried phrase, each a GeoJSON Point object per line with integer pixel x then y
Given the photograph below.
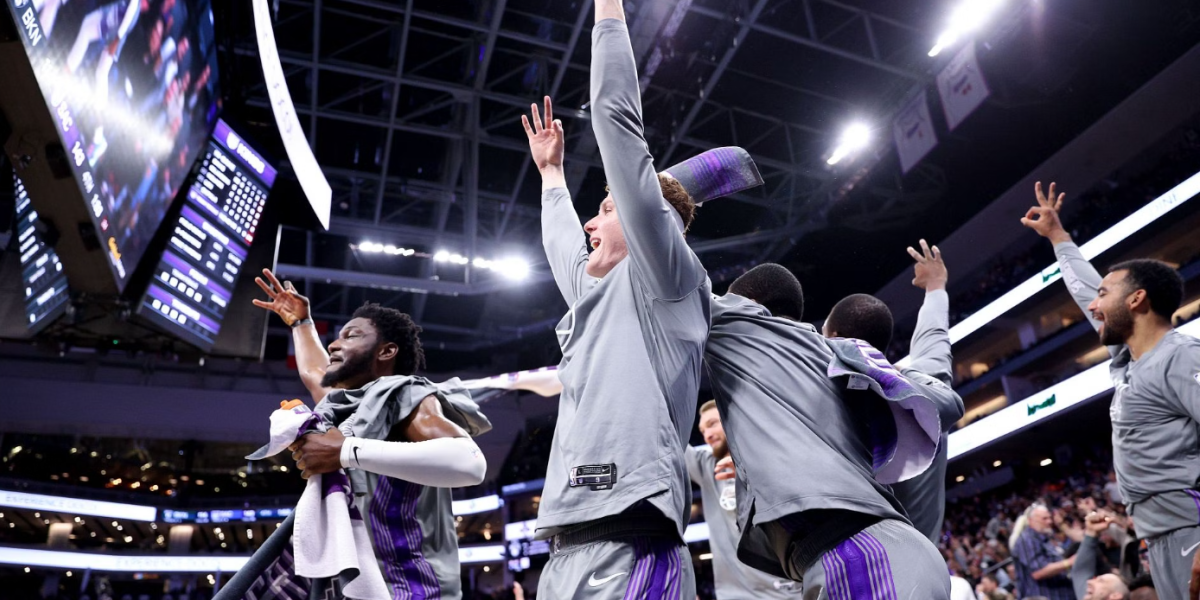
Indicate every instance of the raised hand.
{"type": "Point", "coordinates": [930, 271]}
{"type": "Point", "coordinates": [1096, 522]}
{"type": "Point", "coordinates": [545, 138]}
{"type": "Point", "coordinates": [1043, 218]}
{"type": "Point", "coordinates": [285, 300]}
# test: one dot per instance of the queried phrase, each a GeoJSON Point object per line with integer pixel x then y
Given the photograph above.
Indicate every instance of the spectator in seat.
{"type": "Point", "coordinates": [1041, 568]}
{"type": "Point", "coordinates": [989, 589]}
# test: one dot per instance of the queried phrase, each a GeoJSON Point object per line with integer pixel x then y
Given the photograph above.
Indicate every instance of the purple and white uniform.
{"type": "Point", "coordinates": [412, 527]}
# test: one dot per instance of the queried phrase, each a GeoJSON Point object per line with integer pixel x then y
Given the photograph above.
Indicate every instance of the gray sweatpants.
{"type": "Point", "coordinates": [641, 568]}
{"type": "Point", "coordinates": [1171, 556]}
{"type": "Point", "coordinates": [886, 561]}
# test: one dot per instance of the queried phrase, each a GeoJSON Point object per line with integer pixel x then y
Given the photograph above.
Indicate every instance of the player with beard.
{"type": "Point", "coordinates": [403, 439]}
{"type": "Point", "coordinates": [1155, 408]}
{"type": "Point", "coordinates": [710, 469]}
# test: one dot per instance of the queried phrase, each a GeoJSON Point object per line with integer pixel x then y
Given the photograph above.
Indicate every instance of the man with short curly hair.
{"type": "Point", "coordinates": [404, 440]}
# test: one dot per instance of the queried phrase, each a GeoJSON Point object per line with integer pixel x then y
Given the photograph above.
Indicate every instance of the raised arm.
{"type": "Point", "coordinates": [1089, 548]}
{"type": "Point", "coordinates": [656, 245]}
{"type": "Point", "coordinates": [930, 348]}
{"type": "Point", "coordinates": [1079, 275]}
{"type": "Point", "coordinates": [311, 357]}
{"type": "Point", "coordinates": [562, 235]}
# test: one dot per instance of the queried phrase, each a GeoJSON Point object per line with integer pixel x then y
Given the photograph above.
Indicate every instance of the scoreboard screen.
{"type": "Point", "coordinates": [45, 285]}
{"type": "Point", "coordinates": [194, 280]}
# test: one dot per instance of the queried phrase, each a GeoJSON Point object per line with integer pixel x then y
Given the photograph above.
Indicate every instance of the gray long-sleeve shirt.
{"type": "Point", "coordinates": [797, 443]}
{"type": "Point", "coordinates": [732, 579]}
{"type": "Point", "coordinates": [633, 341]}
{"type": "Point", "coordinates": [924, 496]}
{"type": "Point", "coordinates": [1155, 415]}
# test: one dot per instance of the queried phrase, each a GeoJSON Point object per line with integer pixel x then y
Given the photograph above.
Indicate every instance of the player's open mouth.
{"type": "Point", "coordinates": [595, 243]}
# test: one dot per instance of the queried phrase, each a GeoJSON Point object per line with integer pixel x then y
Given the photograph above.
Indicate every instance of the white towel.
{"type": "Point", "coordinates": [330, 537]}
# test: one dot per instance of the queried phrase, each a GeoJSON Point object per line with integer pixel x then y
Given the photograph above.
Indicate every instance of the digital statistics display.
{"type": "Point", "coordinates": [42, 277]}
{"type": "Point", "coordinates": [132, 88]}
{"type": "Point", "coordinates": [194, 281]}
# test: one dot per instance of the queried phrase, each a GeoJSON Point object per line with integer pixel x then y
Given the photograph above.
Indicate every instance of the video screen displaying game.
{"type": "Point", "coordinates": [45, 285]}
{"type": "Point", "coordinates": [194, 281]}
{"type": "Point", "coordinates": [132, 85]}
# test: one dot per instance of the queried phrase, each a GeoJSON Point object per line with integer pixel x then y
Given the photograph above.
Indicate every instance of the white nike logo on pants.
{"type": "Point", "coordinates": [593, 582]}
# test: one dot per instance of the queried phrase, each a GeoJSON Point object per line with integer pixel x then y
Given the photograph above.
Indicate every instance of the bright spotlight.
{"type": "Point", "coordinates": [512, 268]}
{"type": "Point", "coordinates": [854, 138]}
{"type": "Point", "coordinates": [441, 256]}
{"type": "Point", "coordinates": [966, 19]}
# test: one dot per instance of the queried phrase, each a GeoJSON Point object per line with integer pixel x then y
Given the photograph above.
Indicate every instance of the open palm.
{"type": "Point", "coordinates": [545, 137]}
{"type": "Point", "coordinates": [285, 300]}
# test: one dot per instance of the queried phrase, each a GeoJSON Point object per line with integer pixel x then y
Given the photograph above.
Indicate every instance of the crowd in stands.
{"type": "Point", "coordinates": [981, 532]}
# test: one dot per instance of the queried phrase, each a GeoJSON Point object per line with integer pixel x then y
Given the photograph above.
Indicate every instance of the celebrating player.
{"type": "Point", "coordinates": [617, 495]}
{"type": "Point", "coordinates": [811, 499]}
{"type": "Point", "coordinates": [868, 318]}
{"type": "Point", "coordinates": [403, 451]}
{"type": "Point", "coordinates": [1155, 408]}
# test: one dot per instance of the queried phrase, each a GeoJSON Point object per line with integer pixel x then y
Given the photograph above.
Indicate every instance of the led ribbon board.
{"type": "Point", "coordinates": [1116, 234]}
{"type": "Point", "coordinates": [203, 563]}
{"type": "Point", "coordinates": [77, 506]}
{"type": "Point", "coordinates": [1040, 406]}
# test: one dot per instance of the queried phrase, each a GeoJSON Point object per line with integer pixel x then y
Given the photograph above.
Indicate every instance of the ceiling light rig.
{"type": "Point", "coordinates": [510, 268]}
{"type": "Point", "coordinates": [854, 138]}
{"type": "Point", "coordinates": [966, 19]}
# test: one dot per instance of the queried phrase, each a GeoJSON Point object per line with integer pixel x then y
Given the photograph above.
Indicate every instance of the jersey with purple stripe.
{"type": "Point", "coordinates": [405, 520]}
{"type": "Point", "coordinates": [412, 527]}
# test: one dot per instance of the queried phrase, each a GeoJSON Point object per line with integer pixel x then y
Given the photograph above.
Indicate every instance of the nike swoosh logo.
{"type": "Point", "coordinates": [1188, 550]}
{"type": "Point", "coordinates": [593, 582]}
{"type": "Point", "coordinates": [355, 449]}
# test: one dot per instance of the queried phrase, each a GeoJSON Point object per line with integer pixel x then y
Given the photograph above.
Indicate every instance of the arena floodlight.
{"type": "Point", "coordinates": [854, 138]}
{"type": "Point", "coordinates": [967, 18]}
{"type": "Point", "coordinates": [511, 268]}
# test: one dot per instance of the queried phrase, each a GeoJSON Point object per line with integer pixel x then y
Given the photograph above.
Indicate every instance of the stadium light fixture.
{"type": "Point", "coordinates": [967, 18]}
{"type": "Point", "coordinates": [515, 269]}
{"type": "Point", "coordinates": [855, 137]}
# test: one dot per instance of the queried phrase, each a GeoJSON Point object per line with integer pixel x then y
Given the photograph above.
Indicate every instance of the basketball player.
{"type": "Point", "coordinates": [1155, 408]}
{"type": "Point", "coordinates": [733, 579]}
{"type": "Point", "coordinates": [867, 318]}
{"type": "Point", "coordinates": [811, 453]}
{"type": "Point", "coordinates": [401, 480]}
{"type": "Point", "coordinates": [616, 497]}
